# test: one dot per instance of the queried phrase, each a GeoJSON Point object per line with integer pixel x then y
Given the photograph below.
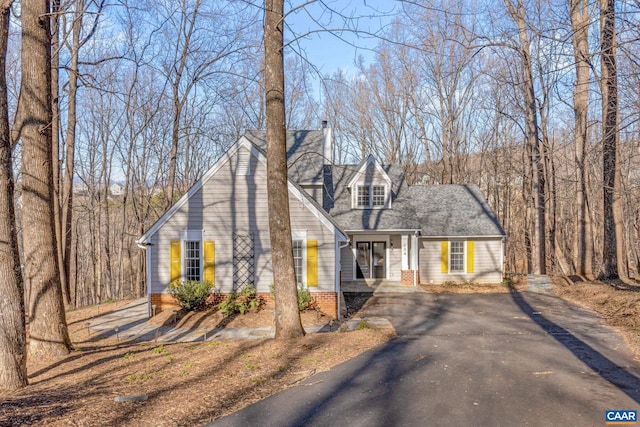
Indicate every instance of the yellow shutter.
{"type": "Point", "coordinates": [312, 263]}
{"type": "Point", "coordinates": [175, 259]}
{"type": "Point", "coordinates": [209, 261]}
{"type": "Point", "coordinates": [470, 255]}
{"type": "Point", "coordinates": [444, 257]}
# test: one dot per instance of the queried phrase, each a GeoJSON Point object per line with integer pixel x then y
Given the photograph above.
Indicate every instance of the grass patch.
{"type": "Point", "coordinates": [363, 325]}
{"type": "Point", "coordinates": [141, 377]}
{"type": "Point", "coordinates": [159, 349]}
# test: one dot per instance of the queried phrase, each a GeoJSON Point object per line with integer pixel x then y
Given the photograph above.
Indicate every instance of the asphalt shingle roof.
{"type": "Point", "coordinates": [304, 153]}
{"type": "Point", "coordinates": [435, 210]}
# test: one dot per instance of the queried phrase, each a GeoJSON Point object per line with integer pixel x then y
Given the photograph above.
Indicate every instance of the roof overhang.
{"type": "Point", "coordinates": [396, 231]}
{"type": "Point", "coordinates": [492, 236]}
{"type": "Point", "coordinates": [362, 169]}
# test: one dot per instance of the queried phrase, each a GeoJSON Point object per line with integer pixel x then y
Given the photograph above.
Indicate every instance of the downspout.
{"type": "Point", "coordinates": [414, 257]}
{"type": "Point", "coordinates": [502, 266]}
{"type": "Point", "coordinates": [144, 247]}
{"type": "Point", "coordinates": [339, 306]}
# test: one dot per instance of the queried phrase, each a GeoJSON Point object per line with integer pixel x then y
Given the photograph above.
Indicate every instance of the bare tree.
{"type": "Point", "coordinates": [580, 19]}
{"type": "Point", "coordinates": [201, 38]}
{"type": "Point", "coordinates": [538, 241]}
{"type": "Point", "coordinates": [13, 348]}
{"type": "Point", "coordinates": [48, 328]}
{"type": "Point", "coordinates": [614, 256]}
{"type": "Point", "coordinates": [288, 324]}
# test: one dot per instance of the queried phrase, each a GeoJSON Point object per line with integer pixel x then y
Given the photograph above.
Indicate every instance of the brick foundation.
{"type": "Point", "coordinates": [327, 301]}
{"type": "Point", "coordinates": [163, 302]}
{"type": "Point", "coordinates": [406, 277]}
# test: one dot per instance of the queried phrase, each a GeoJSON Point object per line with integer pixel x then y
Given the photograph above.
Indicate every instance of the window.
{"type": "Point", "coordinates": [370, 196]}
{"type": "Point", "coordinates": [378, 195]}
{"type": "Point", "coordinates": [192, 260]}
{"type": "Point", "coordinates": [456, 257]}
{"type": "Point", "coordinates": [363, 196]}
{"type": "Point", "coordinates": [298, 260]}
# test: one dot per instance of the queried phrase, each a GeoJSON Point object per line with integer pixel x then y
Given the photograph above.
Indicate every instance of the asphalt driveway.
{"type": "Point", "coordinates": [517, 359]}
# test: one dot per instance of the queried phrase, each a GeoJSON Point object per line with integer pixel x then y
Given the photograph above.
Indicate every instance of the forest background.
{"type": "Point", "coordinates": [510, 96]}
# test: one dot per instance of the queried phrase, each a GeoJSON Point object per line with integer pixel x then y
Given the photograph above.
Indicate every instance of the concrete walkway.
{"type": "Point", "coordinates": [130, 323]}
{"type": "Point", "coordinates": [379, 286]}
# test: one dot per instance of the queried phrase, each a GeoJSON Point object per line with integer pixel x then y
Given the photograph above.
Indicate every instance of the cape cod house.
{"type": "Point", "coordinates": [349, 222]}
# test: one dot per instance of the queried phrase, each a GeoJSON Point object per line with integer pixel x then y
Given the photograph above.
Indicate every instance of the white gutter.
{"type": "Point", "coordinates": [394, 231]}
{"type": "Point", "coordinates": [422, 236]}
{"type": "Point", "coordinates": [141, 245]}
{"type": "Point", "coordinates": [144, 247]}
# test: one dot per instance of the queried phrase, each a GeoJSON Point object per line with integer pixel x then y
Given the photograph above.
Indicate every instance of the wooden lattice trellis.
{"type": "Point", "coordinates": [243, 261]}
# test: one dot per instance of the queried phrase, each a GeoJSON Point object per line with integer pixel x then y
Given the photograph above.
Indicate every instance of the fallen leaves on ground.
{"type": "Point", "coordinates": [184, 383]}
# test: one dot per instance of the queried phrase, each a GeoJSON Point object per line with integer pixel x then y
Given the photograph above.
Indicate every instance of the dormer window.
{"type": "Point", "coordinates": [363, 196]}
{"type": "Point", "coordinates": [379, 196]}
{"type": "Point", "coordinates": [370, 186]}
{"type": "Point", "coordinates": [371, 196]}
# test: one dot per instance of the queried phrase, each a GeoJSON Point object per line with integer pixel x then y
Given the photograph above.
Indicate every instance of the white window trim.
{"type": "Point", "coordinates": [358, 205]}
{"type": "Point", "coordinates": [190, 235]}
{"type": "Point", "coordinates": [372, 196]}
{"type": "Point", "coordinates": [370, 185]}
{"type": "Point", "coordinates": [464, 257]}
{"type": "Point", "coordinates": [302, 235]}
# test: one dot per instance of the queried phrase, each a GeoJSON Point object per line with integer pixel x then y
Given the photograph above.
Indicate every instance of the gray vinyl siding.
{"type": "Point", "coordinates": [346, 264]}
{"type": "Point", "coordinates": [228, 203]}
{"type": "Point", "coordinates": [487, 262]}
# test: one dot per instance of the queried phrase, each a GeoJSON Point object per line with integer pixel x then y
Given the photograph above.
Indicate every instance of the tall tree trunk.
{"type": "Point", "coordinates": [188, 26]}
{"type": "Point", "coordinates": [55, 145]}
{"type": "Point", "coordinates": [613, 265]}
{"type": "Point", "coordinates": [70, 144]}
{"type": "Point", "coordinates": [13, 344]}
{"type": "Point", "coordinates": [538, 241]}
{"type": "Point", "coordinates": [288, 324]}
{"type": "Point", "coordinates": [48, 327]}
{"type": "Point", "coordinates": [580, 17]}
{"type": "Point", "coordinates": [551, 197]}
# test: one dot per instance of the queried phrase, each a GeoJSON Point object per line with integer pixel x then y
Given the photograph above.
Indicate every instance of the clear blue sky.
{"type": "Point", "coordinates": [326, 50]}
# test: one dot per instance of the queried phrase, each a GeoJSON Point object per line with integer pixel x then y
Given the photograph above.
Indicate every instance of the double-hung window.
{"type": "Point", "coordinates": [298, 259]}
{"type": "Point", "coordinates": [456, 257]}
{"type": "Point", "coordinates": [363, 196]}
{"type": "Point", "coordinates": [379, 195]}
{"type": "Point", "coordinates": [305, 258]}
{"type": "Point", "coordinates": [192, 260]}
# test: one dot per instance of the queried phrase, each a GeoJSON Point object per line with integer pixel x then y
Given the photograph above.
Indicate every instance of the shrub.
{"type": "Point", "coordinates": [305, 300]}
{"type": "Point", "coordinates": [241, 302]}
{"type": "Point", "coordinates": [191, 295]}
